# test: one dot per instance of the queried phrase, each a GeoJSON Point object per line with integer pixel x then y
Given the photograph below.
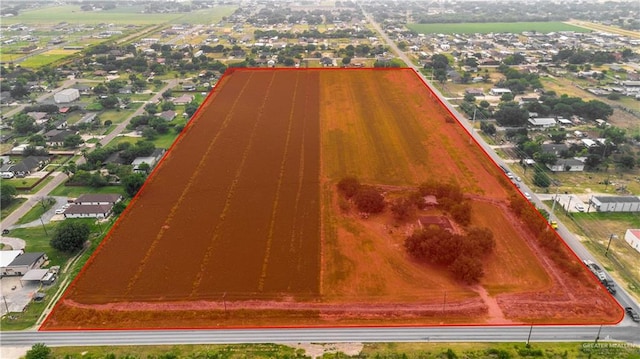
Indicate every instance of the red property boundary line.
{"type": "Point", "coordinates": [196, 117]}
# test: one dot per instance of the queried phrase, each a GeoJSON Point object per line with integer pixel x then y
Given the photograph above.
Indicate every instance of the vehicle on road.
{"type": "Point", "coordinates": [553, 224]}
{"type": "Point", "coordinates": [60, 210]}
{"type": "Point", "coordinates": [527, 196]}
{"type": "Point", "coordinates": [633, 314]}
{"type": "Point", "coordinates": [579, 207]}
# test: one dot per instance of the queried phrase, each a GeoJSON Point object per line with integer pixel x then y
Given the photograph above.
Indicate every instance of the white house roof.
{"type": "Point", "coordinates": [6, 257]}
{"type": "Point", "coordinates": [544, 121]}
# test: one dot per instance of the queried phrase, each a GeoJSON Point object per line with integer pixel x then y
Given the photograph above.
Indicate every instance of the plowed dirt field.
{"type": "Point", "coordinates": [240, 224]}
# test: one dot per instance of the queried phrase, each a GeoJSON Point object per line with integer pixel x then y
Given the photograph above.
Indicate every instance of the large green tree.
{"type": "Point", "coordinates": [7, 194]}
{"type": "Point", "coordinates": [132, 183]}
{"type": "Point", "coordinates": [38, 351]}
{"type": "Point", "coordinates": [70, 235]}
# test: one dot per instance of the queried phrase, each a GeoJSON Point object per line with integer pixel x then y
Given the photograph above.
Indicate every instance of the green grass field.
{"type": "Point", "coordinates": [514, 27]}
{"type": "Point", "coordinates": [40, 60]}
{"type": "Point", "coordinates": [121, 15]}
{"type": "Point", "coordinates": [75, 191]}
{"type": "Point", "coordinates": [372, 350]}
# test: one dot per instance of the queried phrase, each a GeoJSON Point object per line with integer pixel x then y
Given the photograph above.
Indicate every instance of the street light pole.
{"type": "Point", "coordinates": [609, 244]}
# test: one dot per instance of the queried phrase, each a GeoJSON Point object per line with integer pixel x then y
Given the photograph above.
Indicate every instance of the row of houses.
{"type": "Point", "coordinates": [94, 205]}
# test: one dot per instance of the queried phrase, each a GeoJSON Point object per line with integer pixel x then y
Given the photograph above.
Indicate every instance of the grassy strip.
{"type": "Point", "coordinates": [12, 207]}
{"type": "Point", "coordinates": [373, 350]}
{"type": "Point", "coordinates": [75, 191]}
{"type": "Point", "coordinates": [37, 211]}
{"type": "Point", "coordinates": [487, 27]}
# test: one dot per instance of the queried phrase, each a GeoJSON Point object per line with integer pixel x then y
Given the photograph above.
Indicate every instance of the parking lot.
{"type": "Point", "coordinates": [572, 203]}
{"type": "Point", "coordinates": [16, 294]}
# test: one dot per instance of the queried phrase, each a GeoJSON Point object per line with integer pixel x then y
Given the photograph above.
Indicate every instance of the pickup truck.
{"type": "Point", "coordinates": [633, 314]}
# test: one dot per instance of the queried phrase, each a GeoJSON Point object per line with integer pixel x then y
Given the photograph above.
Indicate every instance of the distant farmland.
{"type": "Point", "coordinates": [488, 27]}
{"type": "Point", "coordinates": [120, 15]}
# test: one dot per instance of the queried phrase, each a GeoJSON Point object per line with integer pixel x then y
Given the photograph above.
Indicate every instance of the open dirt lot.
{"type": "Point", "coordinates": [241, 225]}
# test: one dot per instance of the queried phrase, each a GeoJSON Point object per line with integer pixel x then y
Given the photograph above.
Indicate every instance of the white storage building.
{"type": "Point", "coordinates": [632, 236]}
{"type": "Point", "coordinates": [66, 96]}
{"type": "Point", "coordinates": [616, 203]}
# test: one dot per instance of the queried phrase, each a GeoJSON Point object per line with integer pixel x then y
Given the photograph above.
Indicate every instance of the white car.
{"type": "Point", "coordinates": [579, 207]}
{"type": "Point", "coordinates": [527, 196]}
{"type": "Point", "coordinates": [60, 211]}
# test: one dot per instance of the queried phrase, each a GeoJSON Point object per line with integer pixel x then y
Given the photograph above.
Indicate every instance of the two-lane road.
{"type": "Point", "coordinates": [328, 335]}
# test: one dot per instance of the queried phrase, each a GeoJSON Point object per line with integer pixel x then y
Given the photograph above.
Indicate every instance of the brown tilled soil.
{"type": "Point", "coordinates": [238, 227]}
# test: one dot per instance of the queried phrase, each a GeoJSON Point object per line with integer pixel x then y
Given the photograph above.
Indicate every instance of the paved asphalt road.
{"type": "Point", "coordinates": [327, 335]}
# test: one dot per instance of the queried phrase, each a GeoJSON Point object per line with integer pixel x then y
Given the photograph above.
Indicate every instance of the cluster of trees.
{"type": "Point", "coordinates": [87, 174]}
{"type": "Point", "coordinates": [450, 199]}
{"type": "Point", "coordinates": [7, 194]}
{"type": "Point", "coordinates": [566, 106]}
{"type": "Point", "coordinates": [576, 56]}
{"type": "Point", "coordinates": [460, 254]}
{"type": "Point", "coordinates": [366, 198]}
{"type": "Point", "coordinates": [516, 81]}
{"type": "Point", "coordinates": [70, 235]}
{"type": "Point", "coordinates": [548, 239]}
{"type": "Point", "coordinates": [439, 65]}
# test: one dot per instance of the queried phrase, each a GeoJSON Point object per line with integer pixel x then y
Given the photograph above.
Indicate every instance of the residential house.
{"type": "Point", "coordinates": [183, 99]}
{"type": "Point", "coordinates": [98, 199]}
{"type": "Point", "coordinates": [149, 160]}
{"type": "Point", "coordinates": [188, 86]}
{"type": "Point", "coordinates": [167, 115]}
{"type": "Point", "coordinates": [498, 91]}
{"type": "Point", "coordinates": [554, 148]}
{"type": "Point", "coordinates": [88, 118]}
{"type": "Point", "coordinates": [56, 137]}
{"type": "Point", "coordinates": [567, 164]}
{"type": "Point", "coordinates": [474, 91]}
{"type": "Point", "coordinates": [38, 117]}
{"type": "Point", "coordinates": [88, 211]}
{"type": "Point", "coordinates": [25, 167]}
{"type": "Point", "coordinates": [541, 122]}
{"type": "Point", "coordinates": [92, 205]}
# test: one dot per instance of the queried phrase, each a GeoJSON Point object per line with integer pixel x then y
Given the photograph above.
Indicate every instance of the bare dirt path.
{"type": "Point", "coordinates": [493, 309]}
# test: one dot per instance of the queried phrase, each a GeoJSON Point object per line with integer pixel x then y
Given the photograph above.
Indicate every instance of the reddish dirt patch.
{"type": "Point", "coordinates": [240, 226]}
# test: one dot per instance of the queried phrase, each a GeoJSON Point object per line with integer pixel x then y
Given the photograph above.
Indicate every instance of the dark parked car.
{"type": "Point", "coordinates": [632, 313]}
{"type": "Point", "coordinates": [5, 231]}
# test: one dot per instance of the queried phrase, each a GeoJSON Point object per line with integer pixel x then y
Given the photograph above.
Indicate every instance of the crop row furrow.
{"type": "Point", "coordinates": [274, 210]}
{"type": "Point", "coordinates": [231, 192]}
{"type": "Point", "coordinates": [183, 195]}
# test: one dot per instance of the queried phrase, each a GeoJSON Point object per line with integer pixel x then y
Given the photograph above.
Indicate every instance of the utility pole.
{"type": "Point", "coordinates": [43, 227]}
{"type": "Point", "coordinates": [612, 236]}
{"type": "Point", "coordinates": [529, 337]}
